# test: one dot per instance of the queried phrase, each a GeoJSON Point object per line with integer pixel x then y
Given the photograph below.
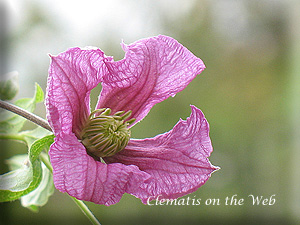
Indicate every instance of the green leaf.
{"type": "Point", "coordinates": [12, 123]}
{"type": "Point", "coordinates": [38, 197]}
{"type": "Point", "coordinates": [17, 180]}
{"type": "Point", "coordinates": [38, 146]}
{"type": "Point", "coordinates": [39, 94]}
{"type": "Point", "coordinates": [33, 208]}
{"type": "Point", "coordinates": [31, 136]}
{"type": "Point", "coordinates": [14, 190]}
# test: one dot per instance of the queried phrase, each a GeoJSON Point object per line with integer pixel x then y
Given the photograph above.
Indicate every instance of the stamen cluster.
{"type": "Point", "coordinates": [104, 134]}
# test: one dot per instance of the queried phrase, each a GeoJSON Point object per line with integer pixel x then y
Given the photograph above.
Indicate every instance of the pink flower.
{"type": "Point", "coordinates": [169, 165]}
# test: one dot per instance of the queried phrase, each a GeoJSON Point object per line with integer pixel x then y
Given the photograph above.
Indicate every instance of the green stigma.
{"type": "Point", "coordinates": [104, 135]}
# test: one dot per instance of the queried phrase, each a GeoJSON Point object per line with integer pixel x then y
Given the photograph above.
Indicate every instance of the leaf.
{"type": "Point", "coordinates": [38, 146]}
{"type": "Point", "coordinates": [17, 180]}
{"type": "Point", "coordinates": [13, 192]}
{"type": "Point", "coordinates": [12, 123]}
{"type": "Point", "coordinates": [38, 197]}
{"type": "Point", "coordinates": [31, 136]}
{"type": "Point", "coordinates": [39, 94]}
{"type": "Point", "coordinates": [33, 208]}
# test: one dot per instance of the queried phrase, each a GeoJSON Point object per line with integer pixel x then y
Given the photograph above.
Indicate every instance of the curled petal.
{"type": "Point", "coordinates": [177, 160]}
{"type": "Point", "coordinates": [84, 178]}
{"type": "Point", "coordinates": [72, 75]}
{"type": "Point", "coordinates": [152, 70]}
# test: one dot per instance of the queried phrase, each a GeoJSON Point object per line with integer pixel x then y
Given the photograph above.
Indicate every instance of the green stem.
{"type": "Point", "coordinates": [18, 137]}
{"type": "Point", "coordinates": [45, 160]}
{"type": "Point", "coordinates": [86, 211]}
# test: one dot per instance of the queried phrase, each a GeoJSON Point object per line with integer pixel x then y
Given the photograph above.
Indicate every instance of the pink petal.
{"type": "Point", "coordinates": [72, 75]}
{"type": "Point", "coordinates": [177, 160]}
{"type": "Point", "coordinates": [84, 178]}
{"type": "Point", "coordinates": [153, 70]}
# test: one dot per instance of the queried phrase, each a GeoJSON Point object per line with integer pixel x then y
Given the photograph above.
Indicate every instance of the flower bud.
{"type": "Point", "coordinates": [9, 86]}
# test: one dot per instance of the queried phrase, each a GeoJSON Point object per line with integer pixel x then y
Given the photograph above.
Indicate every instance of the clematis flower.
{"type": "Point", "coordinates": [93, 157]}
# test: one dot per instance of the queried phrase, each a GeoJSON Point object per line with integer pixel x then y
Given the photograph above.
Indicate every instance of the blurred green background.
{"type": "Point", "coordinates": [250, 94]}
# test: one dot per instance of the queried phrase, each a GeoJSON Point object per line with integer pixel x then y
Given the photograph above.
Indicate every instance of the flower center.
{"type": "Point", "coordinates": [104, 135]}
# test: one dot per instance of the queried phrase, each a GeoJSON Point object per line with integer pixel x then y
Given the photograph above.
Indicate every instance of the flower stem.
{"type": "Point", "coordinates": [28, 115]}
{"type": "Point", "coordinates": [45, 160]}
{"type": "Point", "coordinates": [86, 211]}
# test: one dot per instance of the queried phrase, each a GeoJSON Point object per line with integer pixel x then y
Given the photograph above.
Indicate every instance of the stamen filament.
{"type": "Point", "coordinates": [96, 111]}
{"type": "Point", "coordinates": [119, 113]}
{"type": "Point", "coordinates": [131, 121]}
{"type": "Point", "coordinates": [126, 115]}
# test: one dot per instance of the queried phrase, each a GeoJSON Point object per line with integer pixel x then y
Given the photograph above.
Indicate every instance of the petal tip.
{"type": "Point", "coordinates": [124, 46]}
